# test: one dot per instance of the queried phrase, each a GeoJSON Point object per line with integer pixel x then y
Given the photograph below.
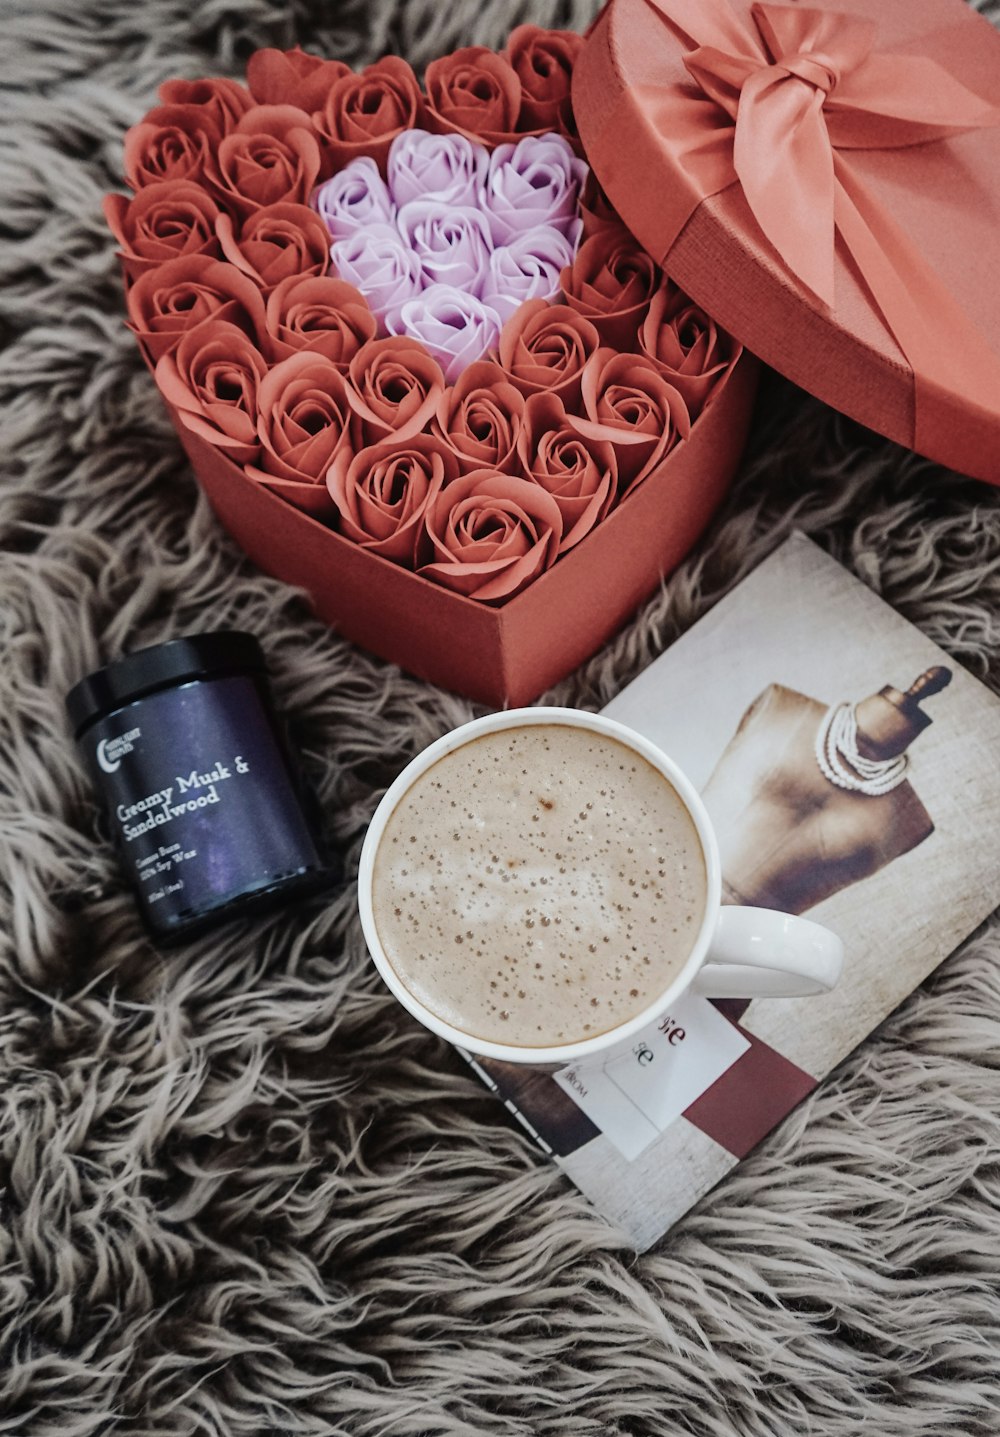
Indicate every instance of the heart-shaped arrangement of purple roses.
{"type": "Point", "coordinates": [456, 238]}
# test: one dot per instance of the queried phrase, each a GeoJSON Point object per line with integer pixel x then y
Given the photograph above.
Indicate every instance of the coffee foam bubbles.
{"type": "Point", "coordinates": [539, 885]}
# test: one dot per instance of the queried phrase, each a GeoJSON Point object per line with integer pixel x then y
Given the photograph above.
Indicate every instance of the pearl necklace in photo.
{"type": "Point", "coordinates": [839, 760]}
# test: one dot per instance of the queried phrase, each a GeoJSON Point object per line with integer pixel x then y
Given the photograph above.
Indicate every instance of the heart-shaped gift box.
{"type": "Point", "coordinates": [224, 245]}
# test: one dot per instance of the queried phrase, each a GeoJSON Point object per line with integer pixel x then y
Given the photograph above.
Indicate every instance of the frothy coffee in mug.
{"type": "Point", "coordinates": [539, 885]}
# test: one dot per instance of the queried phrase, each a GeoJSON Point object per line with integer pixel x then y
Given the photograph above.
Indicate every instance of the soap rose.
{"type": "Point", "coordinates": [364, 112]}
{"type": "Point", "coordinates": [545, 347]}
{"type": "Point", "coordinates": [580, 473]}
{"type": "Point", "coordinates": [527, 267]}
{"type": "Point", "coordinates": [378, 263]}
{"type": "Point", "coordinates": [304, 420]}
{"type": "Point", "coordinates": [479, 417]}
{"type": "Point", "coordinates": [354, 198]}
{"type": "Point", "coordinates": [535, 182]}
{"type": "Point", "coordinates": [271, 157]}
{"type": "Point", "coordinates": [453, 326]}
{"type": "Point", "coordinates": [451, 244]}
{"type": "Point", "coordinates": [488, 535]}
{"type": "Point", "coordinates": [163, 221]}
{"type": "Point", "coordinates": [382, 493]}
{"type": "Point", "coordinates": [474, 92]}
{"type": "Point", "coordinates": [212, 379]}
{"type": "Point", "coordinates": [223, 102]}
{"type": "Point", "coordinates": [449, 168]}
{"type": "Point", "coordinates": [395, 387]}
{"type": "Point", "coordinates": [276, 242]}
{"type": "Point", "coordinates": [596, 210]}
{"type": "Point", "coordinates": [166, 302]}
{"type": "Point", "coordinates": [323, 316]}
{"type": "Point", "coordinates": [629, 404]}
{"type": "Point", "coordinates": [292, 77]}
{"type": "Point", "coordinates": [172, 142]}
{"type": "Point", "coordinates": [686, 346]}
{"type": "Point", "coordinates": [543, 61]}
{"type": "Point", "coordinates": [611, 282]}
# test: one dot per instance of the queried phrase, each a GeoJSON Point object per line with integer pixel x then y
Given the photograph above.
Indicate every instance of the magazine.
{"type": "Point", "coordinates": [758, 703]}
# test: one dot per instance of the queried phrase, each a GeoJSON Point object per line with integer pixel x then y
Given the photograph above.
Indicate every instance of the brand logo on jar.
{"type": "Point", "coordinates": [111, 751]}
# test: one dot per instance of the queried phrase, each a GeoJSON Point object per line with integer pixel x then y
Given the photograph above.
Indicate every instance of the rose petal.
{"type": "Point", "coordinates": [275, 243]}
{"type": "Point", "coordinates": [455, 327]}
{"type": "Point", "coordinates": [172, 142]}
{"type": "Point", "coordinates": [224, 102]}
{"type": "Point", "coordinates": [611, 282]}
{"type": "Point", "coordinates": [166, 302]}
{"type": "Point", "coordinates": [303, 421]}
{"type": "Point", "coordinates": [488, 535]}
{"type": "Point", "coordinates": [272, 157]}
{"type": "Point", "coordinates": [580, 473]}
{"type": "Point", "coordinates": [382, 494]}
{"type": "Point", "coordinates": [543, 61]}
{"type": "Point", "coordinates": [534, 182]}
{"type": "Point", "coordinates": [323, 316]}
{"type": "Point", "coordinates": [452, 244]}
{"type": "Point", "coordinates": [546, 346]}
{"type": "Point", "coordinates": [378, 263]}
{"type": "Point", "coordinates": [354, 198]}
{"type": "Point", "coordinates": [473, 92]}
{"type": "Point", "coordinates": [365, 112]}
{"type": "Point", "coordinates": [629, 404]}
{"type": "Point", "coordinates": [163, 221]}
{"type": "Point", "coordinates": [212, 380]}
{"type": "Point", "coordinates": [528, 267]}
{"type": "Point", "coordinates": [395, 387]}
{"type": "Point", "coordinates": [479, 417]}
{"type": "Point", "coordinates": [292, 77]}
{"type": "Point", "coordinates": [686, 346]}
{"type": "Point", "coordinates": [447, 168]}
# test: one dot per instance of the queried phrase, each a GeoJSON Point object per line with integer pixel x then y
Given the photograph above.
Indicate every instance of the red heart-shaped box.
{"type": "Point", "coordinates": [509, 650]}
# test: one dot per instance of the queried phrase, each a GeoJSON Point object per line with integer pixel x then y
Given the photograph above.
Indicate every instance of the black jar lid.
{"type": "Point", "coordinates": [178, 661]}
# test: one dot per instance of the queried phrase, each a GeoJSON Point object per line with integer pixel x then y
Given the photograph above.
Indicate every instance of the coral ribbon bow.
{"type": "Point", "coordinates": [806, 86]}
{"type": "Point", "coordinates": [780, 101]}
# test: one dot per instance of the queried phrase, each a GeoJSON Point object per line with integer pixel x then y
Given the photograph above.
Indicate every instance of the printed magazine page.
{"type": "Point", "coordinates": [851, 770]}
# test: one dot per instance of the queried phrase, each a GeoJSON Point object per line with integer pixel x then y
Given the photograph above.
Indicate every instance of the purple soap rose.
{"type": "Point", "coordinates": [353, 199]}
{"type": "Point", "coordinates": [527, 267]}
{"type": "Point", "coordinates": [378, 263]}
{"type": "Point", "coordinates": [535, 182]}
{"type": "Point", "coordinates": [447, 168]}
{"type": "Point", "coordinates": [456, 327]}
{"type": "Point", "coordinates": [452, 244]}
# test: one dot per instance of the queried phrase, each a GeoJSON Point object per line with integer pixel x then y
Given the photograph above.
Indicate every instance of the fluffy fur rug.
{"type": "Point", "coordinates": [243, 1196]}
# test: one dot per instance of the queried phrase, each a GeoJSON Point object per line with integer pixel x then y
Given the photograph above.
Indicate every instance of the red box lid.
{"type": "Point", "coordinates": [867, 147]}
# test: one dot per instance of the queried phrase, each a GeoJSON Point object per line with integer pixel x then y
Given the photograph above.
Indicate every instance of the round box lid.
{"type": "Point", "coordinates": [877, 290]}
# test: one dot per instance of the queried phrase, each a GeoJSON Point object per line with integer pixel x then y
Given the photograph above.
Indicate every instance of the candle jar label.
{"type": "Point", "coordinates": [199, 798]}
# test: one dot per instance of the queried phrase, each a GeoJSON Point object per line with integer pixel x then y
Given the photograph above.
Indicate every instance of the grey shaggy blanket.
{"type": "Point", "coordinates": [242, 1194]}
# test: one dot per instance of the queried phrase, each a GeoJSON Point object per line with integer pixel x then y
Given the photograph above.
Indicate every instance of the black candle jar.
{"type": "Point", "coordinates": [202, 798]}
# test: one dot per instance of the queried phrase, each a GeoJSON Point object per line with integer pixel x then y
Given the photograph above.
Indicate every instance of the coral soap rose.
{"type": "Point", "coordinates": [163, 221]}
{"type": "Point", "coordinates": [276, 242]}
{"type": "Point", "coordinates": [325, 316]}
{"type": "Point", "coordinates": [488, 535]}
{"type": "Point", "coordinates": [213, 380]}
{"type": "Point", "coordinates": [271, 157]}
{"type": "Point", "coordinates": [168, 301]}
{"type": "Point", "coordinates": [364, 113]}
{"type": "Point", "coordinates": [383, 493]}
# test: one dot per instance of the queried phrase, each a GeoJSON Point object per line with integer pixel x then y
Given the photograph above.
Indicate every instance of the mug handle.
{"type": "Point", "coordinates": [760, 953]}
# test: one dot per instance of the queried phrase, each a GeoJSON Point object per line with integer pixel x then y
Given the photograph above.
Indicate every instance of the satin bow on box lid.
{"type": "Point", "coordinates": [827, 185]}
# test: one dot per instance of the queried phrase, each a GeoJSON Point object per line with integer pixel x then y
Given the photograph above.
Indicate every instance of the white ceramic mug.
{"type": "Point", "coordinates": [737, 952]}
